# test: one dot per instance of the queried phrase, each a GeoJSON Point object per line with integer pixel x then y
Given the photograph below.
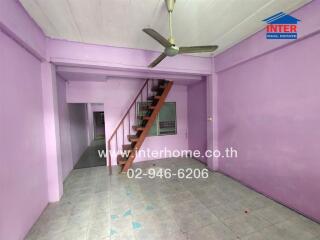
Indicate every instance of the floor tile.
{"type": "Point", "coordinates": [96, 206]}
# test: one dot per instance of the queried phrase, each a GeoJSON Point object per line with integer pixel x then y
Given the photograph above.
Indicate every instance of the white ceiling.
{"type": "Point", "coordinates": [119, 22]}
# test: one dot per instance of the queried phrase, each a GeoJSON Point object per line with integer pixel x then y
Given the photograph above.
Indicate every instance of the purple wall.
{"type": "Point", "coordinates": [197, 118]}
{"type": "Point", "coordinates": [269, 111]}
{"type": "Point", "coordinates": [78, 130]}
{"type": "Point", "coordinates": [23, 161]}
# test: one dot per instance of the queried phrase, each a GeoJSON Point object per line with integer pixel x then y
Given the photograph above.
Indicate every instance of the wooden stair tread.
{"type": "Point", "coordinates": [127, 147]}
{"type": "Point", "coordinates": [144, 117]}
{"type": "Point", "coordinates": [133, 138]}
{"type": "Point", "coordinates": [158, 88]}
{"type": "Point", "coordinates": [138, 128]}
{"type": "Point", "coordinates": [157, 97]}
{"type": "Point", "coordinates": [121, 160]}
{"type": "Point", "coordinates": [144, 108]}
{"type": "Point", "coordinates": [155, 103]}
{"type": "Point", "coordinates": [150, 108]}
{"type": "Point", "coordinates": [162, 82]}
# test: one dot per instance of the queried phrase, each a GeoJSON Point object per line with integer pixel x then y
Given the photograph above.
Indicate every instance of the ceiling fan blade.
{"type": "Point", "coordinates": [197, 49]}
{"type": "Point", "coordinates": [157, 36]}
{"type": "Point", "coordinates": [157, 61]}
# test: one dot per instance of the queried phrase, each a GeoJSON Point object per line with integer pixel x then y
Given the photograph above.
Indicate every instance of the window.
{"type": "Point", "coordinates": [166, 121]}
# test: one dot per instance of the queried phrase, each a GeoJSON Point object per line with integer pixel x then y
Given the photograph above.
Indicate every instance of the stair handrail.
{"type": "Point", "coordinates": [121, 122]}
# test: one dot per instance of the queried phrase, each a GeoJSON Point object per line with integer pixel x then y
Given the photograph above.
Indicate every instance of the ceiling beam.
{"type": "Point", "coordinates": [65, 53]}
{"type": "Point", "coordinates": [128, 74]}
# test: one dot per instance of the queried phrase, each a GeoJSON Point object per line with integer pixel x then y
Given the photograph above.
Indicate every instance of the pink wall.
{"type": "Point", "coordinates": [97, 107]}
{"type": "Point", "coordinates": [23, 176]}
{"type": "Point", "coordinates": [67, 163]}
{"type": "Point", "coordinates": [269, 111]}
{"type": "Point", "coordinates": [197, 118]}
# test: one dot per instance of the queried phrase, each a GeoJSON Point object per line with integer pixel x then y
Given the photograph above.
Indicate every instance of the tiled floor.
{"type": "Point", "coordinates": [90, 158]}
{"type": "Point", "coordinates": [96, 206]}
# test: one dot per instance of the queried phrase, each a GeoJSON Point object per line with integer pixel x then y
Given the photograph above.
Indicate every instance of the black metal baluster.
{"type": "Point", "coordinates": [116, 140]}
{"type": "Point", "coordinates": [129, 122]}
{"type": "Point", "coordinates": [123, 133]}
{"type": "Point", "coordinates": [141, 96]}
{"type": "Point", "coordinates": [147, 90]}
{"type": "Point", "coordinates": [135, 113]}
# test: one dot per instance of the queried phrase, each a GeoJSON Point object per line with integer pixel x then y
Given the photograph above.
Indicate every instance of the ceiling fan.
{"type": "Point", "coordinates": [170, 48]}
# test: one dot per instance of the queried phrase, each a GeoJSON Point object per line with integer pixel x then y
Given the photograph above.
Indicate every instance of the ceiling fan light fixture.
{"type": "Point", "coordinates": [171, 51]}
{"type": "Point", "coordinates": [170, 5]}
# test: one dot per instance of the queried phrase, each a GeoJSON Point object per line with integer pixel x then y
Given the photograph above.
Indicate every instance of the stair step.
{"type": "Point", "coordinates": [127, 147]}
{"type": "Point", "coordinates": [141, 117]}
{"type": "Point", "coordinates": [137, 128]}
{"type": "Point", "coordinates": [144, 108]}
{"type": "Point", "coordinates": [156, 102]}
{"type": "Point", "coordinates": [158, 88]}
{"type": "Point", "coordinates": [162, 82]}
{"type": "Point", "coordinates": [151, 98]}
{"type": "Point", "coordinates": [133, 138]}
{"type": "Point", "coordinates": [121, 160]}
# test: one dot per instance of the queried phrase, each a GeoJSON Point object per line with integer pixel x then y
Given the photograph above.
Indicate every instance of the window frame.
{"type": "Point", "coordinates": [157, 120]}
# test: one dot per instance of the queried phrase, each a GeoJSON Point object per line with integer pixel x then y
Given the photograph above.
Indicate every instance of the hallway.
{"type": "Point", "coordinates": [90, 158]}
{"type": "Point", "coordinates": [98, 206]}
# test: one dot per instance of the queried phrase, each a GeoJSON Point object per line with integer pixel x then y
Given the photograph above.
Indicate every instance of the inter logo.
{"type": "Point", "coordinates": [282, 26]}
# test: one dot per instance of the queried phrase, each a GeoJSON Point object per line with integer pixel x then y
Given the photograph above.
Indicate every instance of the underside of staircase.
{"type": "Point", "coordinates": [155, 98]}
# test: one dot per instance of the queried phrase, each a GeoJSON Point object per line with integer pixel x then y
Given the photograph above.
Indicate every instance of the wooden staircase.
{"type": "Point", "coordinates": [154, 93]}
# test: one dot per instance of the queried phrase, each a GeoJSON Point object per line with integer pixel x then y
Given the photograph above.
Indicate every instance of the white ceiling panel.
{"type": "Point", "coordinates": [59, 14]}
{"type": "Point", "coordinates": [120, 22]}
{"type": "Point", "coordinates": [41, 18]}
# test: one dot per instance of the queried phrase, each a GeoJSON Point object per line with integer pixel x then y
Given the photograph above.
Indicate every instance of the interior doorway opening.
{"type": "Point", "coordinates": [94, 155]}
{"type": "Point", "coordinates": [99, 125]}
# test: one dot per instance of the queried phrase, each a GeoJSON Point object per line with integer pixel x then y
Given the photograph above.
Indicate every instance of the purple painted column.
{"type": "Point", "coordinates": [52, 135]}
{"type": "Point", "coordinates": [17, 24]}
{"type": "Point", "coordinates": [212, 119]}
